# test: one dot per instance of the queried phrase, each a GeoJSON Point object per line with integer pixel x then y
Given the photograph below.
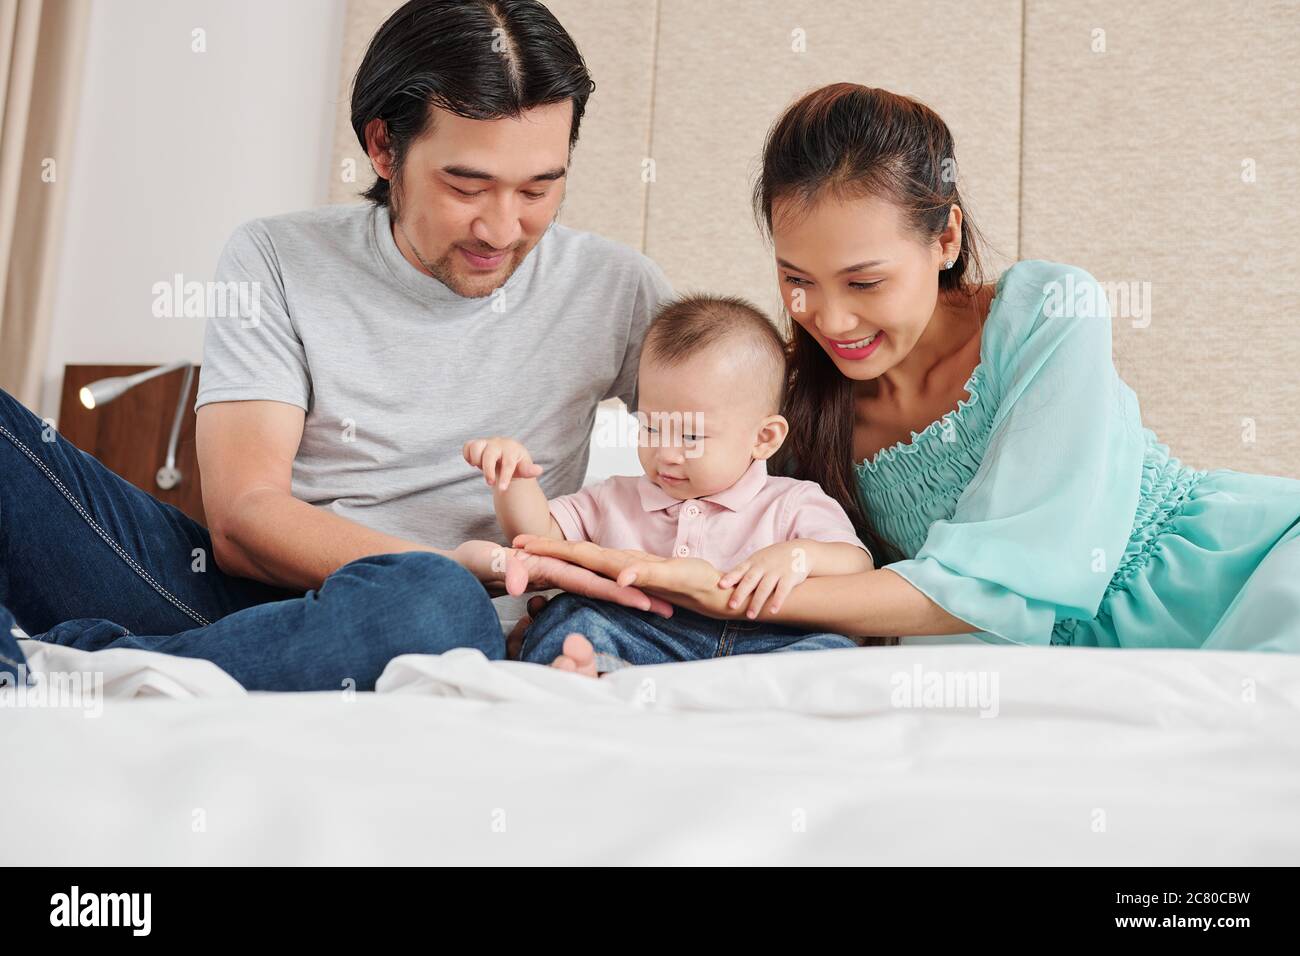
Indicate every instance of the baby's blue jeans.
{"type": "Point", "coordinates": [624, 636]}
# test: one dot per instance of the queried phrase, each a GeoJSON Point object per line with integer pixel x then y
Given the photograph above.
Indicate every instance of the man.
{"type": "Point", "coordinates": [331, 417]}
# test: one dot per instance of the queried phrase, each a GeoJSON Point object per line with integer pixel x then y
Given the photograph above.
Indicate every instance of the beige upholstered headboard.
{"type": "Point", "coordinates": [1153, 144]}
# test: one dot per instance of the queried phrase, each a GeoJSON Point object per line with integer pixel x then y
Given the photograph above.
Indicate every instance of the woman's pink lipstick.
{"type": "Point", "coordinates": [855, 354]}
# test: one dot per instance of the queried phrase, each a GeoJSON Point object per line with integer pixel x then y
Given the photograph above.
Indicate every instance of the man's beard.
{"type": "Point", "coordinates": [470, 286]}
{"type": "Point", "coordinates": [444, 268]}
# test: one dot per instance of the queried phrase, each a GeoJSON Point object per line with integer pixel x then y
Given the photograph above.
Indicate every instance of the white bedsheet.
{"type": "Point", "coordinates": [1093, 757]}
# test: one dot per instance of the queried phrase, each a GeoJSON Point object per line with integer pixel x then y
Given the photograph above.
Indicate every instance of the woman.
{"type": "Point", "coordinates": [979, 436]}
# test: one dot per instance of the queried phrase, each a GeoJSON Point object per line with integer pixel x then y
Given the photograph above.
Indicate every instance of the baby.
{"type": "Point", "coordinates": [710, 382]}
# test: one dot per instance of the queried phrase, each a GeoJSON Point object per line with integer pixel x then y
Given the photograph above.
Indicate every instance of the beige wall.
{"type": "Point", "coordinates": [1133, 168]}
{"type": "Point", "coordinates": [1116, 136]}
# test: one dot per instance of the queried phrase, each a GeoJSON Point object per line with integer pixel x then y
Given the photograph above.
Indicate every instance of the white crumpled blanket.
{"type": "Point", "coordinates": [1085, 757]}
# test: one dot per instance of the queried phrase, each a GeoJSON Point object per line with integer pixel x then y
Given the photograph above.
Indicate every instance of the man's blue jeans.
{"type": "Point", "coordinates": [88, 560]}
{"type": "Point", "coordinates": [624, 635]}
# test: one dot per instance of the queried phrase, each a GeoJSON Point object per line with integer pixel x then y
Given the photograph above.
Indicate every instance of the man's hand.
{"type": "Point", "coordinates": [691, 583]}
{"type": "Point", "coordinates": [511, 571]}
{"type": "Point", "coordinates": [500, 459]}
{"type": "Point", "coordinates": [502, 570]}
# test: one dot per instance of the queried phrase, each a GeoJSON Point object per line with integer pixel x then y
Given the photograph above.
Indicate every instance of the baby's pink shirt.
{"type": "Point", "coordinates": [723, 529]}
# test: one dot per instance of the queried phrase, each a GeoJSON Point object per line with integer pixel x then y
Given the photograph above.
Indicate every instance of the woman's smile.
{"type": "Point", "coordinates": [858, 349]}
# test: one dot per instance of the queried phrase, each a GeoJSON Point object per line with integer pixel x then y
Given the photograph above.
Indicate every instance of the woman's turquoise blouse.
{"type": "Point", "coordinates": [1041, 511]}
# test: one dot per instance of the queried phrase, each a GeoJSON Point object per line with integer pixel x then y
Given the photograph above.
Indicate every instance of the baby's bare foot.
{"type": "Point", "coordinates": [579, 656]}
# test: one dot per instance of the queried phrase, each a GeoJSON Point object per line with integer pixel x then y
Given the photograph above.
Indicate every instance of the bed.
{"type": "Point", "coordinates": [916, 754]}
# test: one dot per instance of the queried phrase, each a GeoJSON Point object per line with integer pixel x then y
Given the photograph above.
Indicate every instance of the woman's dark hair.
{"type": "Point", "coordinates": [481, 59]}
{"type": "Point", "coordinates": [848, 141]}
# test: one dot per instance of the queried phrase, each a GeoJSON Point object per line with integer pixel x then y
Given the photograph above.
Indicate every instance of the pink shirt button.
{"type": "Point", "coordinates": [683, 551]}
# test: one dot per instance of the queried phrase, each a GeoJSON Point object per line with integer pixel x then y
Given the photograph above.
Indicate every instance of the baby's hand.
{"type": "Point", "coordinates": [772, 572]}
{"type": "Point", "coordinates": [500, 459]}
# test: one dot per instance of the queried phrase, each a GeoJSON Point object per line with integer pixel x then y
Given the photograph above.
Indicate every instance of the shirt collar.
{"type": "Point", "coordinates": [654, 498]}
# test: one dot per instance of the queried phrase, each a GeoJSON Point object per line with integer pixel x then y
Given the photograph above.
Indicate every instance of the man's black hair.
{"type": "Point", "coordinates": [481, 59]}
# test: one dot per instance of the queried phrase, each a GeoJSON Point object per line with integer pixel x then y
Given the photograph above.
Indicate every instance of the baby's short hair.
{"type": "Point", "coordinates": [690, 325]}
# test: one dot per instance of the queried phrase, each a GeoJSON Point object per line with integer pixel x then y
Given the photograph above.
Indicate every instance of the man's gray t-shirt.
{"type": "Point", "coordinates": [396, 371]}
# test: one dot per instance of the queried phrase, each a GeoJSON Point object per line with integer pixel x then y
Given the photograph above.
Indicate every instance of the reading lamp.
{"type": "Point", "coordinates": [107, 389]}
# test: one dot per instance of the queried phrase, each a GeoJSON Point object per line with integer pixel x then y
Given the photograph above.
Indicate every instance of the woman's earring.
{"type": "Point", "coordinates": [948, 264]}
